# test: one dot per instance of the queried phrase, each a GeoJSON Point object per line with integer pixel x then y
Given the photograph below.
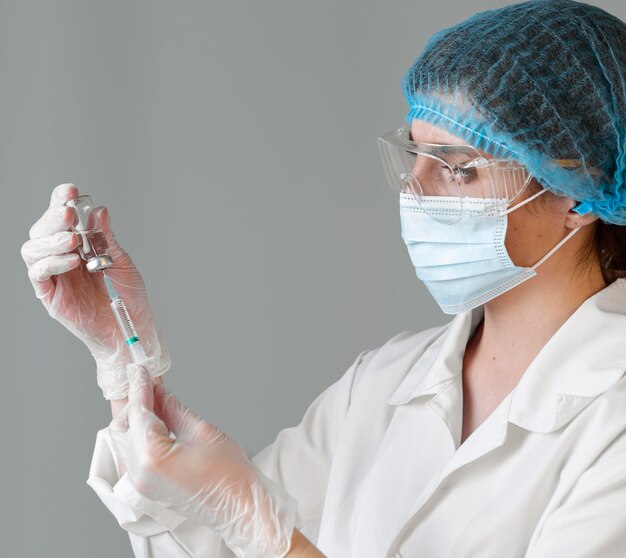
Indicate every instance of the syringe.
{"type": "Point", "coordinates": [125, 324]}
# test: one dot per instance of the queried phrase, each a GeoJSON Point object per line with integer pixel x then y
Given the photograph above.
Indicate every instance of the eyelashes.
{"type": "Point", "coordinates": [467, 175]}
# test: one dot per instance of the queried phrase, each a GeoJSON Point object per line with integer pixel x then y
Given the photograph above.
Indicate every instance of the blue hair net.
{"type": "Point", "coordinates": [538, 82]}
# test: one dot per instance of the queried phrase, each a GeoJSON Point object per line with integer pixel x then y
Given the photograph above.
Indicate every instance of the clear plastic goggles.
{"type": "Point", "coordinates": [453, 172]}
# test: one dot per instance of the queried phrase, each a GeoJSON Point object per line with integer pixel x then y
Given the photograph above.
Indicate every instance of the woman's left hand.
{"type": "Point", "coordinates": [202, 473]}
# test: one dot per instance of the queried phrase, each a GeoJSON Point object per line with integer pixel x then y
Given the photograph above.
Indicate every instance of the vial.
{"type": "Point", "coordinates": [93, 247]}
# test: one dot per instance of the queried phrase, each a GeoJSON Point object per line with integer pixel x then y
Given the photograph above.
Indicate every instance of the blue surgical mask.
{"type": "Point", "coordinates": [465, 263]}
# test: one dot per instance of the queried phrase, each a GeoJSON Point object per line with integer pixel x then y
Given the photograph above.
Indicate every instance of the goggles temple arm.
{"type": "Point", "coordinates": [527, 200]}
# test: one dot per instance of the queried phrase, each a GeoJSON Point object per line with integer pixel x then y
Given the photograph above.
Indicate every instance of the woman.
{"type": "Point", "coordinates": [502, 433]}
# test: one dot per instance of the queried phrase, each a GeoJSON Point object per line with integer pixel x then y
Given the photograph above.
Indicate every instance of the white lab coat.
{"type": "Point", "coordinates": [377, 469]}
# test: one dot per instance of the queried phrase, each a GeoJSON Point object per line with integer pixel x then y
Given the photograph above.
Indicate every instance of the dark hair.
{"type": "Point", "coordinates": [609, 243]}
{"type": "Point", "coordinates": [607, 246]}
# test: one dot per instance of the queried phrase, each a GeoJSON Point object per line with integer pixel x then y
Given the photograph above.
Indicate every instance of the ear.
{"type": "Point", "coordinates": [573, 219]}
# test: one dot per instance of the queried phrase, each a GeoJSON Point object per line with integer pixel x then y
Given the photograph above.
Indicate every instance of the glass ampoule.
{"type": "Point", "coordinates": [93, 247]}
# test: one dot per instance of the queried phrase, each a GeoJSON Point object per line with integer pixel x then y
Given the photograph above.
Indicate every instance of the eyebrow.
{"type": "Point", "coordinates": [443, 146]}
{"type": "Point", "coordinates": [411, 139]}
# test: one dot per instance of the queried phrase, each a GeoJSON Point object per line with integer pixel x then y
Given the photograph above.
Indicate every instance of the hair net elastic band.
{"type": "Point", "coordinates": [477, 134]}
{"type": "Point", "coordinates": [423, 112]}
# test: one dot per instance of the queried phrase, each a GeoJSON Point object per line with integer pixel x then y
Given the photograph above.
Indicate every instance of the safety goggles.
{"type": "Point", "coordinates": [450, 172]}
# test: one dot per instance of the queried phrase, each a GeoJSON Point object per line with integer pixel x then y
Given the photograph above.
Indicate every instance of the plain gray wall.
{"type": "Point", "coordinates": [235, 146]}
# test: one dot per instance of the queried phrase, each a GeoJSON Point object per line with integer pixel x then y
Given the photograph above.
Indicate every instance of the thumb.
{"type": "Point", "coordinates": [120, 421]}
{"type": "Point", "coordinates": [178, 418]}
{"type": "Point", "coordinates": [102, 221]}
{"type": "Point", "coordinates": [145, 428]}
{"type": "Point", "coordinates": [140, 386]}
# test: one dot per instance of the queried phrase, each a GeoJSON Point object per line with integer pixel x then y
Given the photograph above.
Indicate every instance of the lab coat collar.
{"type": "Point", "coordinates": [582, 360]}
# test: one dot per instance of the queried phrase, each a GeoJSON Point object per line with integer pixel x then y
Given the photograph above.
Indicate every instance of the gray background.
{"type": "Point", "coordinates": [235, 146]}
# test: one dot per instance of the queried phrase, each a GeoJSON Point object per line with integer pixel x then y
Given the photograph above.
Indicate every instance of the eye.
{"type": "Point", "coordinates": [465, 174]}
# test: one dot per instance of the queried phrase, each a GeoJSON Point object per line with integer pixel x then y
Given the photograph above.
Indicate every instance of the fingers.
{"type": "Point", "coordinates": [41, 272]}
{"type": "Point", "coordinates": [57, 217]}
{"type": "Point", "coordinates": [53, 245]}
{"type": "Point", "coordinates": [169, 409]}
{"type": "Point", "coordinates": [140, 388]}
{"type": "Point", "coordinates": [180, 420]}
{"type": "Point", "coordinates": [45, 254]}
{"type": "Point", "coordinates": [62, 193]}
{"type": "Point", "coordinates": [120, 421]}
{"type": "Point", "coordinates": [141, 417]}
{"type": "Point", "coordinates": [140, 439]}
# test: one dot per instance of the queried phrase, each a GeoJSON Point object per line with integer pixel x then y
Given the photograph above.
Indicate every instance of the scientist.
{"type": "Point", "coordinates": [501, 433]}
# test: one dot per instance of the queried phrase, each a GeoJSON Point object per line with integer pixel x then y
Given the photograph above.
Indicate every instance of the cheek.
{"type": "Point", "coordinates": [527, 238]}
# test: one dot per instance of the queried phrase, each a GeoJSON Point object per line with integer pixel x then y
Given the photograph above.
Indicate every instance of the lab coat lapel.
{"type": "Point", "coordinates": [582, 360]}
{"type": "Point", "coordinates": [585, 357]}
{"type": "Point", "coordinates": [441, 361]}
{"type": "Point", "coordinates": [438, 373]}
{"type": "Point", "coordinates": [448, 405]}
{"type": "Point", "coordinates": [401, 466]}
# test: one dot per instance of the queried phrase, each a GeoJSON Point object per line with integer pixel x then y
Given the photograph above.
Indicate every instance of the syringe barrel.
{"type": "Point", "coordinates": [123, 321]}
{"type": "Point", "coordinates": [138, 354]}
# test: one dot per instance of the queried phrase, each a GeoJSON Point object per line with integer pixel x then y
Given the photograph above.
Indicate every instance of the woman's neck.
{"type": "Point", "coordinates": [518, 323]}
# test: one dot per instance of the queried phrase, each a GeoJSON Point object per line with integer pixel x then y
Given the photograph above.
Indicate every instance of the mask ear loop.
{"type": "Point", "coordinates": [559, 244]}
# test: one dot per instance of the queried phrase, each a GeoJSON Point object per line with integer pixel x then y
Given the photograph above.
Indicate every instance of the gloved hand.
{"type": "Point", "coordinates": [202, 473]}
{"type": "Point", "coordinates": [79, 300]}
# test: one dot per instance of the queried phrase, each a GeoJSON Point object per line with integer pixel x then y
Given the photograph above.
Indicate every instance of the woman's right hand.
{"type": "Point", "coordinates": [78, 299]}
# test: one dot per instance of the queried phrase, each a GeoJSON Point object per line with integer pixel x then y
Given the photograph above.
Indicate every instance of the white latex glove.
{"type": "Point", "coordinates": [78, 299]}
{"type": "Point", "coordinates": [202, 473]}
